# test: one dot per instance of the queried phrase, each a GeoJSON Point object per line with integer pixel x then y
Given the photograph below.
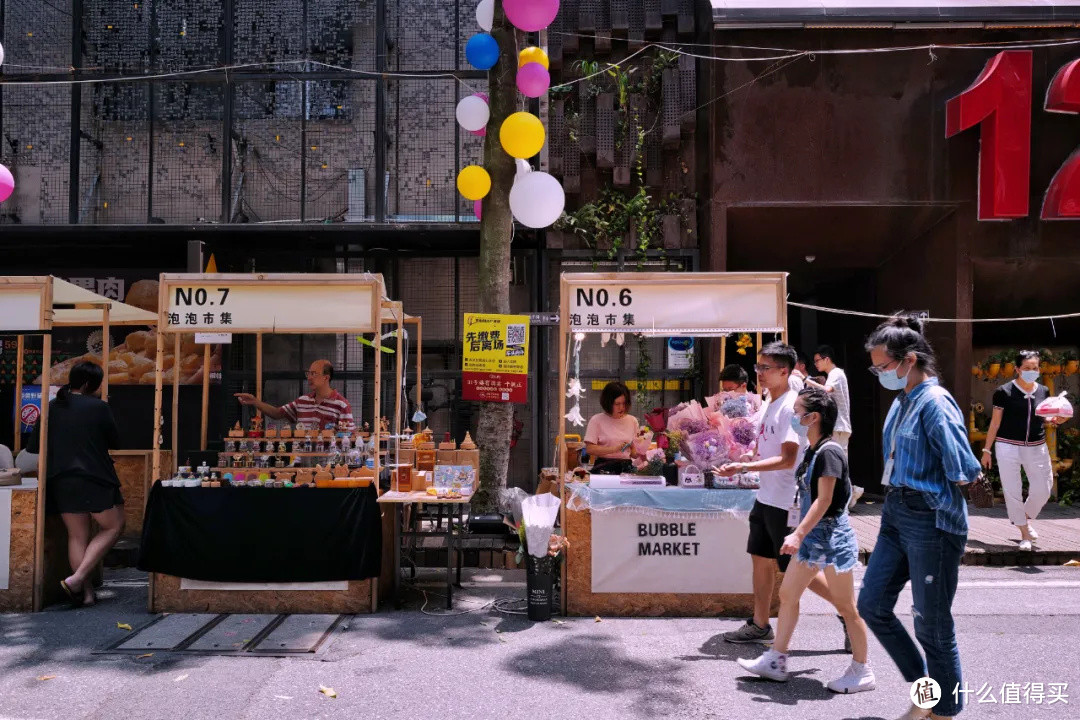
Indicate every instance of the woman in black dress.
{"type": "Point", "coordinates": [80, 479]}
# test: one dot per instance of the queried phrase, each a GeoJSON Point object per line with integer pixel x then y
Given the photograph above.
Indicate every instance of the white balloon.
{"type": "Point", "coordinates": [537, 199]}
{"type": "Point", "coordinates": [1, 54]}
{"type": "Point", "coordinates": [473, 113]}
{"type": "Point", "coordinates": [485, 14]}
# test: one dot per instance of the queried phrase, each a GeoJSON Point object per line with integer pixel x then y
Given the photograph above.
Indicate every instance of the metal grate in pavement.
{"type": "Point", "coordinates": [231, 634]}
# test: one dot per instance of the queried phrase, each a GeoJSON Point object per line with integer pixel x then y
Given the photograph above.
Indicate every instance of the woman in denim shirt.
{"type": "Point", "coordinates": [924, 522]}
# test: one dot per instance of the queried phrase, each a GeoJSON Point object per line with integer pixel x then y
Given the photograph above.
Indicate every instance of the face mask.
{"type": "Point", "coordinates": [1029, 375]}
{"type": "Point", "coordinates": [891, 381]}
{"type": "Point", "coordinates": [798, 427]}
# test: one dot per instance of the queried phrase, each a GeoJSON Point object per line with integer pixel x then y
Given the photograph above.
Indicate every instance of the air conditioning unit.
{"type": "Point", "coordinates": [357, 211]}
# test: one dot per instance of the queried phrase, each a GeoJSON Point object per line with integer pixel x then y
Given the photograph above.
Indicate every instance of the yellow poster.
{"type": "Point", "coordinates": [495, 366]}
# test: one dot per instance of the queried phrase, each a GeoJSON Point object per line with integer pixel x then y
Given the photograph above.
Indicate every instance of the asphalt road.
{"type": "Point", "coordinates": [1016, 626]}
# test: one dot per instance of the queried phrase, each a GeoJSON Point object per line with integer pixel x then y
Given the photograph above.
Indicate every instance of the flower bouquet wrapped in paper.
{"type": "Point", "coordinates": [650, 463]}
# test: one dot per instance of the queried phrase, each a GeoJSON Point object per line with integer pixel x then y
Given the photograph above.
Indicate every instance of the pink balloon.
{"type": "Point", "coordinates": [531, 15]}
{"type": "Point", "coordinates": [7, 183]}
{"type": "Point", "coordinates": [482, 95]}
{"type": "Point", "coordinates": [478, 208]}
{"type": "Point", "coordinates": [533, 80]}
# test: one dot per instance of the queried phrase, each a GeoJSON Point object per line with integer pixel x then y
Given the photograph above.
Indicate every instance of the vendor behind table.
{"type": "Point", "coordinates": [321, 408]}
{"type": "Point", "coordinates": [610, 434]}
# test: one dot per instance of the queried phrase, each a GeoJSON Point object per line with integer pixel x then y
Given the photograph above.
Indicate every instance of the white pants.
{"type": "Point", "coordinates": [1035, 459]}
{"type": "Point", "coordinates": [842, 439]}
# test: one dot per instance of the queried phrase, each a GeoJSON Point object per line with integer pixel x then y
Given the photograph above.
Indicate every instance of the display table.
{"type": "Point", "coordinates": [241, 549]}
{"type": "Point", "coordinates": [671, 551]}
{"type": "Point", "coordinates": [449, 509]}
{"type": "Point", "coordinates": [18, 522]}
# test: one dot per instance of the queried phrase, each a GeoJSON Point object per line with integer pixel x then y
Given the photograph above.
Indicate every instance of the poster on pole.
{"type": "Point", "coordinates": [495, 358]}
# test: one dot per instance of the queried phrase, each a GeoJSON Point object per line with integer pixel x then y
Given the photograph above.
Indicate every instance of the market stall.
{"type": "Point", "coordinates": [638, 547]}
{"type": "Point", "coordinates": [286, 520]}
{"type": "Point", "coordinates": [32, 552]}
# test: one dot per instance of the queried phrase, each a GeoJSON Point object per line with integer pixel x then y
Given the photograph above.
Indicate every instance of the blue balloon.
{"type": "Point", "coordinates": [482, 51]}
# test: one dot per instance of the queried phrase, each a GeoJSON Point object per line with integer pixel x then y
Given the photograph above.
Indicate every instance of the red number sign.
{"type": "Point", "coordinates": [1000, 102]}
{"type": "Point", "coordinates": [1062, 201]}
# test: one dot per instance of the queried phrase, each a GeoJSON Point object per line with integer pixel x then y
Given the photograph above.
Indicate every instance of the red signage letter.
{"type": "Point", "coordinates": [1062, 201]}
{"type": "Point", "coordinates": [999, 101]}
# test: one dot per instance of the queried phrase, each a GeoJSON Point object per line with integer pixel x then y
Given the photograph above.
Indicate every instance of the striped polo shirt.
{"type": "Point", "coordinates": [311, 411]}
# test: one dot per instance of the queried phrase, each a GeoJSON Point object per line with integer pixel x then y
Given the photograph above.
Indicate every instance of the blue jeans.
{"type": "Point", "coordinates": [911, 547]}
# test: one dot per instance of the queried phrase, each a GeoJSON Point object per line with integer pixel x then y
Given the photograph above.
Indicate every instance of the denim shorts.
{"type": "Point", "coordinates": [831, 542]}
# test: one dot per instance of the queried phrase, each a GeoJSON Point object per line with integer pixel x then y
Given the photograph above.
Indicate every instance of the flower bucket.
{"type": "Point", "coordinates": [993, 371]}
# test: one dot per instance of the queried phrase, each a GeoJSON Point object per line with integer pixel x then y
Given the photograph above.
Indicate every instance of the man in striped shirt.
{"type": "Point", "coordinates": [323, 406]}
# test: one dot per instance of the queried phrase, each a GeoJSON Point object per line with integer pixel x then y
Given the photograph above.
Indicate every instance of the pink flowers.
{"type": "Point", "coordinates": [724, 432]}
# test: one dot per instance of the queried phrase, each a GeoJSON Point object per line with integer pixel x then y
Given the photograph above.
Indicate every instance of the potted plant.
{"type": "Point", "coordinates": [1008, 366]}
{"type": "Point", "coordinates": [993, 368]}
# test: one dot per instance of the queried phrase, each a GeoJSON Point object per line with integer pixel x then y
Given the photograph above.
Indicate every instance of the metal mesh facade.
{"type": "Point", "coordinates": [281, 115]}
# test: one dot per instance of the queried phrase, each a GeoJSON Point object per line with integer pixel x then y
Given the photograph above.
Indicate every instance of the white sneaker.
{"type": "Point", "coordinates": [1031, 533]}
{"type": "Point", "coordinates": [771, 665]}
{"type": "Point", "coordinates": [858, 678]}
{"type": "Point", "coordinates": [1025, 546]}
{"type": "Point", "coordinates": [856, 493]}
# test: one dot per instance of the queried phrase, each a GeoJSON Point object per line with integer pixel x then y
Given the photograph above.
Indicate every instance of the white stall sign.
{"type": "Point", "coordinates": [641, 553]}
{"type": "Point", "coordinates": [256, 307]}
{"type": "Point", "coordinates": [20, 310]}
{"type": "Point", "coordinates": [673, 309]}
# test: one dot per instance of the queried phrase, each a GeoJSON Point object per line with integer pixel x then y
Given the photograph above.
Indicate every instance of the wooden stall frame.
{"type": "Point", "coordinates": [85, 307]}
{"type": "Point", "coordinates": [373, 324]}
{"type": "Point", "coordinates": [569, 282]}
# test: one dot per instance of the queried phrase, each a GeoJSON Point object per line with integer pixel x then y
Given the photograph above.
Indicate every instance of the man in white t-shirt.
{"type": "Point", "coordinates": [836, 383]}
{"type": "Point", "coordinates": [779, 450]}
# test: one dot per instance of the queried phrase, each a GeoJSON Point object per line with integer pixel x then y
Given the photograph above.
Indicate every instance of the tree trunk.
{"type": "Point", "coordinates": [496, 419]}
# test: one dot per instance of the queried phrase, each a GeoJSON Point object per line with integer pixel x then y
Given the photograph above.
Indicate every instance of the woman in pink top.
{"type": "Point", "coordinates": [610, 434]}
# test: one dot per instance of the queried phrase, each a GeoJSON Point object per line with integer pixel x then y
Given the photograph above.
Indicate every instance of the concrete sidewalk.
{"type": "Point", "coordinates": [992, 539]}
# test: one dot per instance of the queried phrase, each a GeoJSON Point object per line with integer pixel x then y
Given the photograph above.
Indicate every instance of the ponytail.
{"type": "Point", "coordinates": [903, 334]}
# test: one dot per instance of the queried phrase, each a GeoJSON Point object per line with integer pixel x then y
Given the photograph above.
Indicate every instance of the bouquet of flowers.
{"type": "Point", "coordinates": [725, 431]}
{"type": "Point", "coordinates": [651, 463]}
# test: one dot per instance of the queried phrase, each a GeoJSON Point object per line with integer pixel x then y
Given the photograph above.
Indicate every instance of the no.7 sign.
{"type": "Point", "coordinates": [1000, 101]}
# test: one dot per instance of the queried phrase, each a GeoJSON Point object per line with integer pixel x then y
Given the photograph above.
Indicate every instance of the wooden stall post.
{"type": "Point", "coordinates": [205, 396]}
{"type": "Point", "coordinates": [258, 366]}
{"type": "Point", "coordinates": [39, 530]}
{"type": "Point", "coordinates": [399, 380]}
{"type": "Point", "coordinates": [723, 353]}
{"type": "Point", "coordinates": [19, 347]}
{"type": "Point", "coordinates": [376, 425]}
{"type": "Point", "coordinates": [176, 401]}
{"type": "Point", "coordinates": [105, 342]}
{"type": "Point", "coordinates": [159, 363]}
{"type": "Point", "coordinates": [419, 362]}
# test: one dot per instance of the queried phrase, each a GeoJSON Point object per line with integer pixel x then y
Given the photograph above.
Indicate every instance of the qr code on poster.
{"type": "Point", "coordinates": [515, 335]}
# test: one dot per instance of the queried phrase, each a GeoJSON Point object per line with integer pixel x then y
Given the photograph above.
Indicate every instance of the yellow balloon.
{"type": "Point", "coordinates": [473, 182]}
{"type": "Point", "coordinates": [522, 135]}
{"type": "Point", "coordinates": [533, 54]}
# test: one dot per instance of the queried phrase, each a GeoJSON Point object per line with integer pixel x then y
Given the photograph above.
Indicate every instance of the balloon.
{"type": "Point", "coordinates": [472, 113]}
{"type": "Point", "coordinates": [531, 15]}
{"type": "Point", "coordinates": [479, 133]}
{"type": "Point", "coordinates": [485, 14]}
{"type": "Point", "coordinates": [1, 54]}
{"type": "Point", "coordinates": [533, 80]}
{"type": "Point", "coordinates": [537, 200]}
{"type": "Point", "coordinates": [473, 182]}
{"type": "Point", "coordinates": [522, 135]}
{"type": "Point", "coordinates": [482, 51]}
{"type": "Point", "coordinates": [533, 55]}
{"type": "Point", "coordinates": [478, 209]}
{"type": "Point", "coordinates": [7, 183]}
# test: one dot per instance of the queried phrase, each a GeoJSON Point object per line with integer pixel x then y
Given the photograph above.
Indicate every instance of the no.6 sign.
{"type": "Point", "coordinates": [1000, 101]}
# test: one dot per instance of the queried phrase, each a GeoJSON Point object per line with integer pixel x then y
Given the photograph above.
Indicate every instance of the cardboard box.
{"type": "Point", "coordinates": [467, 457]}
{"type": "Point", "coordinates": [446, 457]}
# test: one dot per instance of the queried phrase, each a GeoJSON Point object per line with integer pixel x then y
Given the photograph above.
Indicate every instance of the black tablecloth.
{"type": "Point", "coordinates": [262, 534]}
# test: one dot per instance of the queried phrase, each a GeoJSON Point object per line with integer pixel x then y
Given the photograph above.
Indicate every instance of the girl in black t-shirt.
{"type": "Point", "coordinates": [1018, 438]}
{"type": "Point", "coordinates": [824, 541]}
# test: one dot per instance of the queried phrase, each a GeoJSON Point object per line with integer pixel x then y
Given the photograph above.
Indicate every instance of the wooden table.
{"type": "Point", "coordinates": [454, 508]}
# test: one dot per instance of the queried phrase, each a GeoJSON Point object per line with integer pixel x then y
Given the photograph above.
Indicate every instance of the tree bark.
{"type": "Point", "coordinates": [496, 227]}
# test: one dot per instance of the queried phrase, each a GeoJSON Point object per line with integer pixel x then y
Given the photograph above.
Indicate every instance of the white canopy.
{"type": "Point", "coordinates": [727, 13]}
{"type": "Point", "coordinates": [89, 308]}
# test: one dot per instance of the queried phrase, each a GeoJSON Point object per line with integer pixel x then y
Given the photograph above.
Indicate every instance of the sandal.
{"type": "Point", "coordinates": [75, 598]}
